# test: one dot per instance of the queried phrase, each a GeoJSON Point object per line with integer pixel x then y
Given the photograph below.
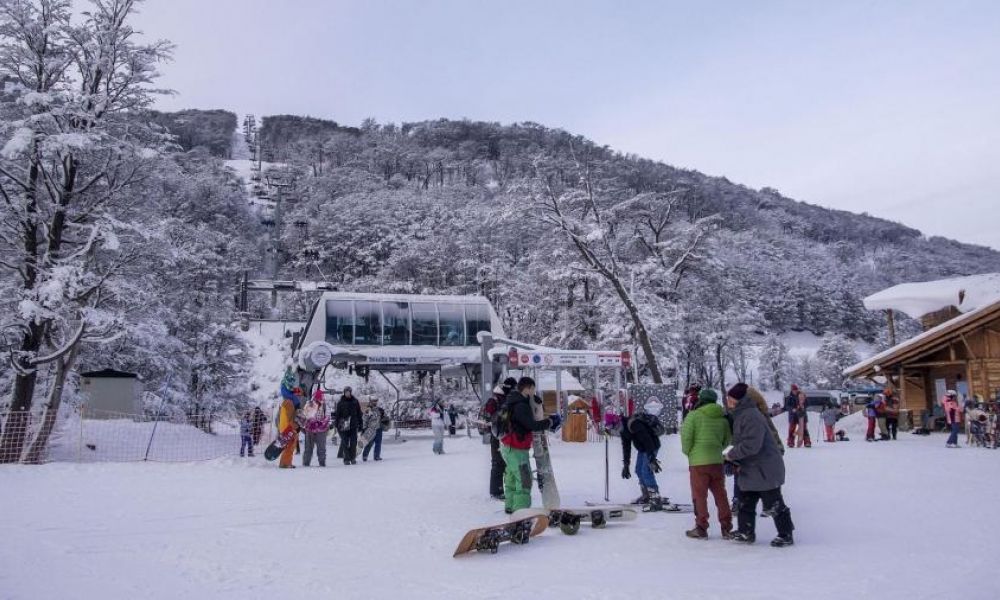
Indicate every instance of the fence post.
{"type": "Point", "coordinates": [151, 436]}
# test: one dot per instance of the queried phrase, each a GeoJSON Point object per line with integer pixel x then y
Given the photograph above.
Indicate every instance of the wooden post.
{"type": "Point", "coordinates": [891, 321]}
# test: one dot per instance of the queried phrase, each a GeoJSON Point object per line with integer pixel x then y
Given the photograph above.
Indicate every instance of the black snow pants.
{"type": "Point", "coordinates": [497, 468]}
{"type": "Point", "coordinates": [349, 445]}
{"type": "Point", "coordinates": [774, 505]}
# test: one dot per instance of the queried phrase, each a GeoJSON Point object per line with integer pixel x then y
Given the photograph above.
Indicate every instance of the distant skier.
{"type": "Point", "coordinates": [516, 440]}
{"type": "Point", "coordinates": [953, 416]}
{"type": "Point", "coordinates": [830, 415]}
{"type": "Point", "coordinates": [488, 412]}
{"type": "Point", "coordinates": [704, 435]}
{"type": "Point", "coordinates": [452, 419]}
{"type": "Point", "coordinates": [374, 417]}
{"type": "Point", "coordinates": [802, 418]}
{"type": "Point", "coordinates": [642, 431]}
{"type": "Point", "coordinates": [348, 420]}
{"type": "Point", "coordinates": [246, 435]}
{"type": "Point", "coordinates": [791, 406]}
{"type": "Point", "coordinates": [257, 425]}
{"type": "Point", "coordinates": [317, 426]}
{"type": "Point", "coordinates": [761, 469]}
{"type": "Point", "coordinates": [437, 414]}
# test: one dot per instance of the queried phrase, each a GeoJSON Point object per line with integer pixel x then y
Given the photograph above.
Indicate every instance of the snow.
{"type": "Point", "coordinates": [873, 520]}
{"type": "Point", "coordinates": [18, 143]}
{"type": "Point", "coordinates": [918, 299]}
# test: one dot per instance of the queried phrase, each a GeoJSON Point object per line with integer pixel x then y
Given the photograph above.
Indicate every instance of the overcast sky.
{"type": "Point", "coordinates": [887, 107]}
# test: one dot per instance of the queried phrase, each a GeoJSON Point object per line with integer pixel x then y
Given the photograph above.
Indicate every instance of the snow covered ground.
{"type": "Point", "coordinates": [908, 519]}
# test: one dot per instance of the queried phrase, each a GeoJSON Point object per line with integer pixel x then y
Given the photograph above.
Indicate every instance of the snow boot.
{"type": "Point", "coordinates": [644, 498]}
{"type": "Point", "coordinates": [783, 540]}
{"type": "Point", "coordinates": [743, 537]}
{"type": "Point", "coordinates": [697, 533]}
{"type": "Point", "coordinates": [655, 503]}
{"type": "Point", "coordinates": [727, 534]}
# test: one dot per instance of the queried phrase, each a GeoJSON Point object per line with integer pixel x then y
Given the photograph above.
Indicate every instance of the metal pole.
{"type": "Point", "coordinates": [607, 468]}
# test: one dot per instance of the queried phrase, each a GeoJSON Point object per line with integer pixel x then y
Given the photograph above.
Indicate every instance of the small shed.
{"type": "Point", "coordinates": [577, 420]}
{"type": "Point", "coordinates": [110, 393]}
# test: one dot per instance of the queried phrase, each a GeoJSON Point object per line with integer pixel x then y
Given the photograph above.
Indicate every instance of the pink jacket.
{"type": "Point", "coordinates": [952, 411]}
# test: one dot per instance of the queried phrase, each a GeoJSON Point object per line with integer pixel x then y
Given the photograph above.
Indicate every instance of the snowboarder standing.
{"type": "Point", "coordinates": [517, 437]}
{"type": "Point", "coordinates": [640, 431]}
{"type": "Point", "coordinates": [290, 404]}
{"type": "Point", "coordinates": [489, 410]}
{"type": "Point", "coordinates": [374, 417]}
{"type": "Point", "coordinates": [761, 469]}
{"type": "Point", "coordinates": [704, 435]}
{"type": "Point", "coordinates": [317, 426]}
{"type": "Point", "coordinates": [953, 415]}
{"type": "Point", "coordinates": [246, 436]}
{"type": "Point", "coordinates": [348, 419]}
{"type": "Point", "coordinates": [437, 426]}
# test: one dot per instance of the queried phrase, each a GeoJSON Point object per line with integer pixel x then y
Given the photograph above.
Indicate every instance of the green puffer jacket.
{"type": "Point", "coordinates": [704, 435]}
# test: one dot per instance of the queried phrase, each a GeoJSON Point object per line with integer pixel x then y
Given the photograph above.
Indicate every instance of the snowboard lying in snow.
{"type": "Point", "coordinates": [274, 449]}
{"type": "Point", "coordinates": [524, 525]}
{"type": "Point", "coordinates": [569, 519]}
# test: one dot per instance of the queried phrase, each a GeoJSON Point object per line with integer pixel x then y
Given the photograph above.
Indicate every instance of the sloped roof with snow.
{"type": "Point", "coordinates": [918, 299]}
{"type": "Point", "coordinates": [929, 341]}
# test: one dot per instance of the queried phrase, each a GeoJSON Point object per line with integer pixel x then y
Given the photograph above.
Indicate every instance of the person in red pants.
{"type": "Point", "coordinates": [704, 435]}
{"type": "Point", "coordinates": [791, 404]}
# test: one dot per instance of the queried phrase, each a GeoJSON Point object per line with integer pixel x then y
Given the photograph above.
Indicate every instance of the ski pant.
{"type": "Point", "coordinates": [376, 443]}
{"type": "Point", "coordinates": [438, 439]}
{"type": "Point", "coordinates": [870, 434]}
{"type": "Point", "coordinates": [705, 479]}
{"type": "Point", "coordinates": [317, 441]}
{"type": "Point", "coordinates": [882, 428]}
{"type": "Point", "coordinates": [804, 432]}
{"type": "Point", "coordinates": [497, 466]}
{"type": "Point", "coordinates": [644, 473]}
{"type": "Point", "coordinates": [288, 452]}
{"type": "Point", "coordinates": [774, 505]}
{"type": "Point", "coordinates": [349, 444]}
{"type": "Point", "coordinates": [793, 425]}
{"type": "Point", "coordinates": [246, 445]}
{"type": "Point", "coordinates": [893, 426]}
{"type": "Point", "coordinates": [516, 478]}
{"type": "Point", "coordinates": [953, 437]}
{"type": "Point", "coordinates": [829, 433]}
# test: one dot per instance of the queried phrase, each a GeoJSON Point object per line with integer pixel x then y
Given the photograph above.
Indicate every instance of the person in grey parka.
{"type": "Point", "coordinates": [761, 469]}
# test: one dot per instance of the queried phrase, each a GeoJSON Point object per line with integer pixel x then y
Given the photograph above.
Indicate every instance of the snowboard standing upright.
{"type": "Point", "coordinates": [543, 463]}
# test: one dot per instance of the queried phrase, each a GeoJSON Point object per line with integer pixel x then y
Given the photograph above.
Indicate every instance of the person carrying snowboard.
{"type": "Point", "coordinates": [704, 435]}
{"type": "Point", "coordinates": [287, 417]}
{"type": "Point", "coordinates": [374, 418]}
{"type": "Point", "coordinates": [642, 431]}
{"type": "Point", "coordinates": [516, 425]}
{"type": "Point", "coordinates": [761, 469]}
{"type": "Point", "coordinates": [487, 414]}
{"type": "Point", "coordinates": [317, 425]}
{"type": "Point", "coordinates": [348, 419]}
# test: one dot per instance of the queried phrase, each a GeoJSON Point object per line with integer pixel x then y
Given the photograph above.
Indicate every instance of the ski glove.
{"type": "Point", "coordinates": [626, 474]}
{"type": "Point", "coordinates": [654, 465]}
{"type": "Point", "coordinates": [554, 422]}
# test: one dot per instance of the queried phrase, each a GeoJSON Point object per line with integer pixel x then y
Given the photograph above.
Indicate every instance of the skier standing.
{"type": "Point", "coordinates": [791, 407]}
{"type": "Point", "coordinates": [437, 426]}
{"type": "Point", "coordinates": [348, 419]}
{"type": "Point", "coordinates": [704, 435]}
{"type": "Point", "coordinates": [516, 440]}
{"type": "Point", "coordinates": [246, 436]}
{"type": "Point", "coordinates": [953, 415]}
{"type": "Point", "coordinates": [317, 425]}
{"type": "Point", "coordinates": [761, 469]}
{"type": "Point", "coordinates": [490, 408]}
{"type": "Point", "coordinates": [639, 430]}
{"type": "Point", "coordinates": [374, 417]}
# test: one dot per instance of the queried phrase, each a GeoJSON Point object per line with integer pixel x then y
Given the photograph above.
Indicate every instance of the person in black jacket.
{"type": "Point", "coordinates": [637, 431]}
{"type": "Point", "coordinates": [348, 418]}
{"type": "Point", "coordinates": [497, 465]}
{"type": "Point", "coordinates": [517, 441]}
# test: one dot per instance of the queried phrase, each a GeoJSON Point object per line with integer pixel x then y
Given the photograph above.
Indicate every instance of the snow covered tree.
{"type": "Point", "coordinates": [775, 364]}
{"type": "Point", "coordinates": [835, 354]}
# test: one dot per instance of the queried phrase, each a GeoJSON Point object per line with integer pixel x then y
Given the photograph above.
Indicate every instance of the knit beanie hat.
{"type": "Point", "coordinates": [738, 391]}
{"type": "Point", "coordinates": [707, 396]}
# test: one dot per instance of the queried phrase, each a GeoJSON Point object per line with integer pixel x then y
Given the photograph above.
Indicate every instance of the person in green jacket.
{"type": "Point", "coordinates": [704, 435]}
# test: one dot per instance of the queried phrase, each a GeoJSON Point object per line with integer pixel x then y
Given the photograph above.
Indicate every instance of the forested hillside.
{"type": "Point", "coordinates": [580, 246]}
{"type": "Point", "coordinates": [211, 129]}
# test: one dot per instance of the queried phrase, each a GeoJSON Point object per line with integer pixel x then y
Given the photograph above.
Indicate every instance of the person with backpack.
{"type": "Point", "coordinates": [348, 419]}
{"type": "Point", "coordinates": [761, 469]}
{"type": "Point", "coordinates": [953, 416]}
{"type": "Point", "coordinates": [643, 431]}
{"type": "Point", "coordinates": [488, 413]}
{"type": "Point", "coordinates": [704, 435]}
{"type": "Point", "coordinates": [516, 425]}
{"type": "Point", "coordinates": [376, 420]}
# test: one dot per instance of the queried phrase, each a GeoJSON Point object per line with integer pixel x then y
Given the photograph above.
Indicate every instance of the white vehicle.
{"type": "Point", "coordinates": [395, 332]}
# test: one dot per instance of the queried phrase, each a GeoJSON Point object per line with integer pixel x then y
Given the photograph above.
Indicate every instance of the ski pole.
{"type": "Point", "coordinates": [607, 470]}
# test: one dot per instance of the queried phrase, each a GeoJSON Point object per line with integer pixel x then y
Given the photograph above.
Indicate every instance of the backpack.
{"type": "Point", "coordinates": [500, 423]}
{"type": "Point", "coordinates": [653, 422]}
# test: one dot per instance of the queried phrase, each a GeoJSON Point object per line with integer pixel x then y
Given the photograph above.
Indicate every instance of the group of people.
{"type": "Point", "coordinates": [882, 411]}
{"type": "Point", "coordinates": [251, 430]}
{"type": "Point", "coordinates": [313, 419]}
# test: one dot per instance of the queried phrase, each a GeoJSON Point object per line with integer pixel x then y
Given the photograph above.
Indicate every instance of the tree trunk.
{"type": "Point", "coordinates": [719, 363]}
{"type": "Point", "coordinates": [36, 453]}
